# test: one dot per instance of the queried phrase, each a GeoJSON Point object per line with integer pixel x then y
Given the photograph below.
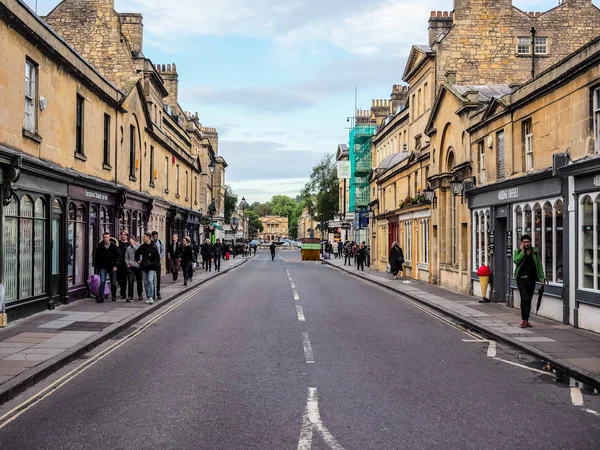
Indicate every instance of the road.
{"type": "Point", "coordinates": [290, 355]}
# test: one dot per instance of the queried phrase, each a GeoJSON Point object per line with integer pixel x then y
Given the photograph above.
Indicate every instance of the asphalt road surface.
{"type": "Point", "coordinates": [287, 354]}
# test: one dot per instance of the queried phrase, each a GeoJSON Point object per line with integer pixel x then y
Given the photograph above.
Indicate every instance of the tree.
{"type": "Point", "coordinates": [264, 209]}
{"type": "Point", "coordinates": [320, 194]}
{"type": "Point", "coordinates": [254, 223]}
{"type": "Point", "coordinates": [230, 203]}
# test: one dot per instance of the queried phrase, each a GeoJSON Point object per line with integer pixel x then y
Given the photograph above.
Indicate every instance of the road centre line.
{"type": "Point", "coordinates": [296, 296]}
{"type": "Point", "coordinates": [311, 422]}
{"type": "Point", "coordinates": [23, 407]}
{"type": "Point", "coordinates": [293, 285]}
{"type": "Point", "coordinates": [300, 313]}
{"type": "Point", "coordinates": [308, 352]}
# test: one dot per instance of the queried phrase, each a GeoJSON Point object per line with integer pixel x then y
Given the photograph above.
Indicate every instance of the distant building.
{"type": "Point", "coordinates": [275, 228]}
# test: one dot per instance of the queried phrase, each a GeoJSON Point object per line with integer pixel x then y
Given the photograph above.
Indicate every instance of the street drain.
{"type": "Point", "coordinates": [87, 326]}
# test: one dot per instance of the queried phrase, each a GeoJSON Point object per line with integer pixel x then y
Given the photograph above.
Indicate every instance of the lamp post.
{"type": "Point", "coordinates": [456, 186]}
{"type": "Point", "coordinates": [428, 193]}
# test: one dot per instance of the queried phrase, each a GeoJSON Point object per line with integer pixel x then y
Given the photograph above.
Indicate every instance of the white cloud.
{"type": "Point", "coordinates": [262, 190]}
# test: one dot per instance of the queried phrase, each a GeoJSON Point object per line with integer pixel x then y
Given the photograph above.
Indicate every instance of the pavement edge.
{"type": "Point", "coordinates": [565, 366]}
{"type": "Point", "coordinates": [30, 377]}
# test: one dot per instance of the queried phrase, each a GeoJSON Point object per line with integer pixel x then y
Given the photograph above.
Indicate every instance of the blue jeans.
{"type": "Point", "coordinates": [113, 282]}
{"type": "Point", "coordinates": [148, 277]}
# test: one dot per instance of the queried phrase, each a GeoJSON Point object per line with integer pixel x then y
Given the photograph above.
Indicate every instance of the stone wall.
{"type": "Point", "coordinates": [482, 45]}
{"type": "Point", "coordinates": [93, 28]}
{"type": "Point", "coordinates": [132, 28]}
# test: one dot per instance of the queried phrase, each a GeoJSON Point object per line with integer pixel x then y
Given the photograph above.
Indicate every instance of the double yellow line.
{"type": "Point", "coordinates": [52, 388]}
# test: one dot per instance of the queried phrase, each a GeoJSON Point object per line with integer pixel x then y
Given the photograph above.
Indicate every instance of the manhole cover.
{"type": "Point", "coordinates": [87, 326]}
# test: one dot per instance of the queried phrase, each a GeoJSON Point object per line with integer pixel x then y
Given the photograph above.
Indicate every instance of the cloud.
{"type": "Point", "coordinates": [261, 190]}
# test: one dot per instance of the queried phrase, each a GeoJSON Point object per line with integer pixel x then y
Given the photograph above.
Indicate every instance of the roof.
{"type": "Point", "coordinates": [487, 92]}
{"type": "Point", "coordinates": [392, 160]}
{"type": "Point", "coordinates": [412, 58]}
{"type": "Point", "coordinates": [342, 151]}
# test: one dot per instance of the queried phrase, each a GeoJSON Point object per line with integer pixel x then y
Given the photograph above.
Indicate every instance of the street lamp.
{"type": "Point", "coordinates": [428, 193]}
{"type": "Point", "coordinates": [211, 167]}
{"type": "Point", "coordinates": [456, 185]}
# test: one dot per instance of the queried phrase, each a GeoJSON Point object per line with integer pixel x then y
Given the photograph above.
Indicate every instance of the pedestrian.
{"type": "Point", "coordinates": [122, 272]}
{"type": "Point", "coordinates": [218, 254]}
{"type": "Point", "coordinates": [108, 259]}
{"type": "Point", "coordinates": [160, 246]}
{"type": "Point", "coordinates": [206, 252]}
{"type": "Point", "coordinates": [195, 251]}
{"type": "Point", "coordinates": [396, 259]}
{"type": "Point", "coordinates": [367, 254]}
{"type": "Point", "coordinates": [148, 258]}
{"type": "Point", "coordinates": [272, 247]}
{"type": "Point", "coordinates": [134, 272]}
{"type": "Point", "coordinates": [361, 256]}
{"type": "Point", "coordinates": [174, 256]}
{"type": "Point", "coordinates": [187, 257]}
{"type": "Point", "coordinates": [348, 253]}
{"type": "Point", "coordinates": [529, 270]}
{"type": "Point", "coordinates": [340, 248]}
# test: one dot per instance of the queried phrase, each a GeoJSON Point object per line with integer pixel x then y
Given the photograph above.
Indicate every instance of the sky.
{"type": "Point", "coordinates": [277, 77]}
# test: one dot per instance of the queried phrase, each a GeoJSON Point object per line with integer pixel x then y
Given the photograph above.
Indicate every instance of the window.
{"type": "Point", "coordinates": [166, 174]}
{"type": "Point", "coordinates": [597, 118]}
{"type": "Point", "coordinates": [419, 104]}
{"type": "Point", "coordinates": [481, 238]}
{"type": "Point", "coordinates": [195, 190]}
{"type": "Point", "coordinates": [79, 126]}
{"type": "Point", "coordinates": [541, 45]}
{"type": "Point", "coordinates": [524, 45]}
{"type": "Point", "coordinates": [31, 71]}
{"type": "Point", "coordinates": [425, 96]}
{"type": "Point", "coordinates": [528, 144]}
{"type": "Point", "coordinates": [131, 152]}
{"type": "Point", "coordinates": [481, 162]}
{"type": "Point", "coordinates": [177, 180]}
{"type": "Point", "coordinates": [152, 176]}
{"type": "Point", "coordinates": [76, 244]}
{"type": "Point", "coordinates": [424, 242]}
{"type": "Point", "coordinates": [409, 186]}
{"type": "Point", "coordinates": [407, 240]}
{"type": "Point", "coordinates": [414, 102]}
{"type": "Point", "coordinates": [500, 155]}
{"type": "Point", "coordinates": [106, 144]}
{"type": "Point", "coordinates": [187, 195]}
{"type": "Point", "coordinates": [543, 221]}
{"type": "Point", "coordinates": [589, 242]}
{"type": "Point", "coordinates": [417, 190]}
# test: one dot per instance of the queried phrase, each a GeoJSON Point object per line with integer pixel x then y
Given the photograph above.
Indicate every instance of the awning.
{"type": "Point", "coordinates": [217, 226]}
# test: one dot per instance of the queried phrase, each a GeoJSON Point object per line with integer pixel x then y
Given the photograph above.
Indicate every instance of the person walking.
{"type": "Point", "coordinates": [348, 253]}
{"type": "Point", "coordinates": [160, 246]}
{"type": "Point", "coordinates": [218, 254]}
{"type": "Point", "coordinates": [528, 271]}
{"type": "Point", "coordinates": [148, 258]}
{"type": "Point", "coordinates": [361, 256]}
{"type": "Point", "coordinates": [174, 256]}
{"type": "Point", "coordinates": [122, 272]}
{"type": "Point", "coordinates": [272, 247]}
{"type": "Point", "coordinates": [396, 260]}
{"type": "Point", "coordinates": [108, 259]}
{"type": "Point", "coordinates": [340, 248]}
{"type": "Point", "coordinates": [206, 252]}
{"type": "Point", "coordinates": [187, 257]}
{"type": "Point", "coordinates": [134, 272]}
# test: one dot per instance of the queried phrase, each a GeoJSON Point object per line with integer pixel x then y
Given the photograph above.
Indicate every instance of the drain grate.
{"type": "Point", "coordinates": [87, 326]}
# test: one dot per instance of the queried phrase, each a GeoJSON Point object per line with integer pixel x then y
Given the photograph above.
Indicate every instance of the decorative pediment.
{"type": "Point", "coordinates": [418, 54]}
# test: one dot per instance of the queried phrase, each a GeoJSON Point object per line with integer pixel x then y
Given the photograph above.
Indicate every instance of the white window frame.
{"type": "Point", "coordinates": [482, 177]}
{"type": "Point", "coordinates": [524, 45]}
{"type": "Point", "coordinates": [408, 240]}
{"type": "Point", "coordinates": [481, 246]}
{"type": "Point", "coordinates": [424, 242]}
{"type": "Point", "coordinates": [542, 248]}
{"type": "Point", "coordinates": [541, 45]}
{"type": "Point", "coordinates": [528, 138]}
{"type": "Point", "coordinates": [31, 75]}
{"type": "Point", "coordinates": [596, 101]}
{"type": "Point", "coordinates": [594, 196]}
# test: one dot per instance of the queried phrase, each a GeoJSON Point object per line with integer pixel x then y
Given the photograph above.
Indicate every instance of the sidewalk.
{"type": "Point", "coordinates": [34, 347]}
{"type": "Point", "coordinates": [575, 351]}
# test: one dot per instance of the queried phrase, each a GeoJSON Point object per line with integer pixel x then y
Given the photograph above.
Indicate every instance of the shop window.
{"type": "Point", "coordinates": [79, 150]}
{"type": "Point", "coordinates": [543, 221]}
{"type": "Point", "coordinates": [57, 211]}
{"type": "Point", "coordinates": [11, 250]}
{"type": "Point", "coordinates": [596, 102]}
{"type": "Point", "coordinates": [407, 240]}
{"type": "Point", "coordinates": [31, 73]}
{"type": "Point", "coordinates": [76, 243]}
{"type": "Point", "coordinates": [481, 238]}
{"type": "Point", "coordinates": [424, 242]}
{"type": "Point", "coordinates": [588, 242]}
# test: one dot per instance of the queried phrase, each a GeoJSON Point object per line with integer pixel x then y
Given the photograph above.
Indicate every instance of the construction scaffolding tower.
{"type": "Point", "coordinates": [360, 166]}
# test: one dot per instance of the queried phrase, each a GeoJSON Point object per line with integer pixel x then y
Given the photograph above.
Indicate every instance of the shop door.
{"type": "Point", "coordinates": [56, 258]}
{"type": "Point", "coordinates": [500, 269]}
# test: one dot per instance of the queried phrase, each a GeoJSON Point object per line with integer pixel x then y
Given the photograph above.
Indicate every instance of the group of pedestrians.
{"type": "Point", "coordinates": [354, 253]}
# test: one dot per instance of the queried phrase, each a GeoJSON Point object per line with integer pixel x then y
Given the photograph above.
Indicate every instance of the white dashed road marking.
{"type": "Point", "coordinates": [296, 296]}
{"type": "Point", "coordinates": [308, 353]}
{"type": "Point", "coordinates": [311, 422]}
{"type": "Point", "coordinates": [300, 313]}
{"type": "Point", "coordinates": [492, 349]}
{"type": "Point", "coordinates": [576, 396]}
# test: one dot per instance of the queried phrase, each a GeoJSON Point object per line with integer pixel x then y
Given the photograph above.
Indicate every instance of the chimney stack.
{"type": "Point", "coordinates": [171, 79]}
{"type": "Point", "coordinates": [399, 96]}
{"type": "Point", "coordinates": [132, 28]}
{"type": "Point", "coordinates": [440, 22]}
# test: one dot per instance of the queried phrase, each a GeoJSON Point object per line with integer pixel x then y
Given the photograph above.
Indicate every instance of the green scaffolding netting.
{"type": "Point", "coordinates": [360, 165]}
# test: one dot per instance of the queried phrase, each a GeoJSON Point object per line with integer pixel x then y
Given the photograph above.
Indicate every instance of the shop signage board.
{"type": "Point", "coordinates": [509, 244]}
{"type": "Point", "coordinates": [343, 169]}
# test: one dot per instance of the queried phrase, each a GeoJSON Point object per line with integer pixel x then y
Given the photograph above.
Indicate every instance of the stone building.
{"type": "Point", "coordinates": [536, 160]}
{"type": "Point", "coordinates": [85, 150]}
{"type": "Point", "coordinates": [275, 228]}
{"type": "Point", "coordinates": [307, 226]}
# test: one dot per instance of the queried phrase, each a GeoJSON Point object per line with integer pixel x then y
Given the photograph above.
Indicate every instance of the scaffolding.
{"type": "Point", "coordinates": [360, 166]}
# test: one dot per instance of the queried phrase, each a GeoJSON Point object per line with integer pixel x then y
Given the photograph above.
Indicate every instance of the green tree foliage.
{"type": "Point", "coordinates": [320, 194]}
{"type": "Point", "coordinates": [254, 223]}
{"type": "Point", "coordinates": [230, 203]}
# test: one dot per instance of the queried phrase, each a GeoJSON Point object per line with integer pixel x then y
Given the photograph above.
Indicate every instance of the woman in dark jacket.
{"type": "Point", "coordinates": [187, 257]}
{"type": "Point", "coordinates": [396, 260]}
{"type": "Point", "coordinates": [361, 256]}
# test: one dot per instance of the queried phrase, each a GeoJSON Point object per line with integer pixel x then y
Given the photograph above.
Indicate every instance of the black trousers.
{"type": "Point", "coordinates": [360, 264]}
{"type": "Point", "coordinates": [186, 267]}
{"type": "Point", "coordinates": [347, 259]}
{"type": "Point", "coordinates": [526, 290]}
{"type": "Point", "coordinates": [208, 264]}
{"type": "Point", "coordinates": [134, 276]}
{"type": "Point", "coordinates": [218, 262]}
{"type": "Point", "coordinates": [122, 279]}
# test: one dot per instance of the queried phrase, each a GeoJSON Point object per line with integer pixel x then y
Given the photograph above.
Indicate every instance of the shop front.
{"type": "Point", "coordinates": [584, 180]}
{"type": "Point", "coordinates": [33, 244]}
{"type": "Point", "coordinates": [134, 213]}
{"type": "Point", "coordinates": [91, 211]}
{"type": "Point", "coordinates": [503, 212]}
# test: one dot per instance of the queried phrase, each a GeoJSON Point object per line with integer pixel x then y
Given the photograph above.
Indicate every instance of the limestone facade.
{"type": "Point", "coordinates": [275, 228]}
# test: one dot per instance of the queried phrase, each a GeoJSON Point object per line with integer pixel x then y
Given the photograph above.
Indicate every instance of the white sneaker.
{"type": "Point", "coordinates": [363, 271]}
{"type": "Point", "coordinates": [147, 302]}
{"type": "Point", "coordinates": [151, 302]}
